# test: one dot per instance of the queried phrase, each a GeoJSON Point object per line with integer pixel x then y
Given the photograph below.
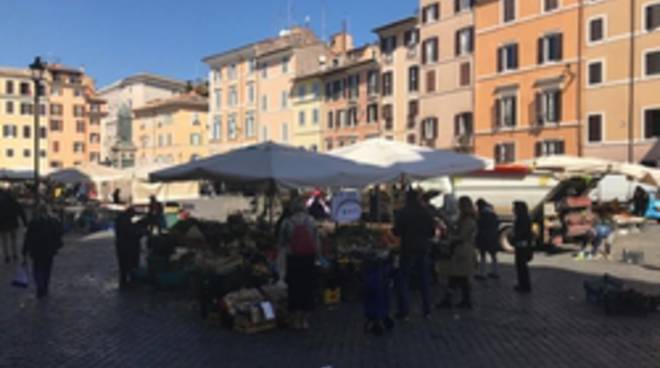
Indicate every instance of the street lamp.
{"type": "Point", "coordinates": [38, 68]}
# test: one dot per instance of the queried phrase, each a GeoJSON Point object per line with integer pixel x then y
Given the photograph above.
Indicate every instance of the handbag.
{"type": "Point", "coordinates": [22, 277]}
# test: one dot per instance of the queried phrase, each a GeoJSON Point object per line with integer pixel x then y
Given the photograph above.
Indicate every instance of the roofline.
{"type": "Point", "coordinates": [338, 69]}
{"type": "Point", "coordinates": [144, 78]}
{"type": "Point", "coordinates": [174, 102]}
{"type": "Point", "coordinates": [395, 23]}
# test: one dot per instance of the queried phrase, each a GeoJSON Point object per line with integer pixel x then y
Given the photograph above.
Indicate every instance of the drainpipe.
{"type": "Point", "coordinates": [580, 134]}
{"type": "Point", "coordinates": [631, 85]}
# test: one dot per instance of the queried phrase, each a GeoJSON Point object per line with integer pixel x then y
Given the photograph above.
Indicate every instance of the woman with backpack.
{"type": "Point", "coordinates": [300, 241]}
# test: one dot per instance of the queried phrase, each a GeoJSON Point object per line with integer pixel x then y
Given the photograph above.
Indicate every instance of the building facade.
{"type": "Point", "coordinates": [250, 88]}
{"type": "Point", "coordinates": [17, 120]}
{"type": "Point", "coordinates": [527, 72]}
{"type": "Point", "coordinates": [400, 78]}
{"type": "Point", "coordinates": [446, 105]}
{"type": "Point", "coordinates": [621, 67]}
{"type": "Point", "coordinates": [171, 131]}
{"type": "Point", "coordinates": [122, 97]}
{"type": "Point", "coordinates": [309, 112]}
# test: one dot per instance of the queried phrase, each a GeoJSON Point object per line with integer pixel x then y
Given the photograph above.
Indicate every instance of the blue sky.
{"type": "Point", "coordinates": [116, 38]}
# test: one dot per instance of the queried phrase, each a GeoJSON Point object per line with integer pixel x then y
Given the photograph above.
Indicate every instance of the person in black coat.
{"type": "Point", "coordinates": [42, 241]}
{"type": "Point", "coordinates": [127, 241]}
{"type": "Point", "coordinates": [415, 226]}
{"type": "Point", "coordinates": [10, 213]}
{"type": "Point", "coordinates": [522, 241]}
{"type": "Point", "coordinates": [487, 241]}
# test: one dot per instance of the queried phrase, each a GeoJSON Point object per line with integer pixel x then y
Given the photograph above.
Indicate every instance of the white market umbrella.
{"type": "Point", "coordinates": [85, 174]}
{"type": "Point", "coordinates": [573, 165]}
{"type": "Point", "coordinates": [414, 162]}
{"type": "Point", "coordinates": [271, 163]}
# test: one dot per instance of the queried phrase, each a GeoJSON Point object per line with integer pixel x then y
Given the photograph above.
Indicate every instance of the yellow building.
{"type": "Point", "coordinates": [17, 121]}
{"type": "Point", "coordinates": [171, 131]}
{"type": "Point", "coordinates": [308, 112]}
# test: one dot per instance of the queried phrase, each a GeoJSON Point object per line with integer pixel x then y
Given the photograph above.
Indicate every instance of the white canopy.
{"type": "Point", "coordinates": [85, 174]}
{"type": "Point", "coordinates": [414, 162]}
{"type": "Point", "coordinates": [270, 162]}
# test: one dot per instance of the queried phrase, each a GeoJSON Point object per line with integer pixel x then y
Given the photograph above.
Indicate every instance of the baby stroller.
{"type": "Point", "coordinates": [377, 280]}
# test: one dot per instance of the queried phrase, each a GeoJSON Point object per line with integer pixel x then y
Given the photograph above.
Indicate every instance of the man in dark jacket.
{"type": "Point", "coordinates": [42, 241]}
{"type": "Point", "coordinates": [487, 240]}
{"type": "Point", "coordinates": [415, 226]}
{"type": "Point", "coordinates": [10, 214]}
{"type": "Point", "coordinates": [127, 242]}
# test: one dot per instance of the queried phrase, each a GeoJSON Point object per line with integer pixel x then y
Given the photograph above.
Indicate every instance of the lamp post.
{"type": "Point", "coordinates": [37, 68]}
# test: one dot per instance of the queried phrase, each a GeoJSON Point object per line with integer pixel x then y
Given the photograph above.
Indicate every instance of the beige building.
{"type": "Point", "coordinates": [446, 74]}
{"type": "Point", "coordinates": [250, 88]}
{"type": "Point", "coordinates": [17, 121]}
{"type": "Point", "coordinates": [309, 112]}
{"type": "Point", "coordinates": [171, 131]}
{"type": "Point", "coordinates": [400, 73]}
{"type": "Point", "coordinates": [621, 84]}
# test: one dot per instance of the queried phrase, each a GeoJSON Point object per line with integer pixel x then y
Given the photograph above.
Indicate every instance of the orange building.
{"type": "Point", "coordinates": [75, 118]}
{"type": "Point", "coordinates": [527, 78]}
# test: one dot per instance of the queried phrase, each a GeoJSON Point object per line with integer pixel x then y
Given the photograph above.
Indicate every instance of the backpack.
{"type": "Point", "coordinates": [302, 240]}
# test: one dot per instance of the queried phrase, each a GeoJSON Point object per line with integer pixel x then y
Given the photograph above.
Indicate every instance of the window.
{"type": "Point", "coordinates": [9, 107]}
{"type": "Point", "coordinates": [285, 64]}
{"type": "Point", "coordinates": [411, 38]}
{"type": "Point", "coordinates": [430, 129]}
{"type": "Point", "coordinates": [464, 74]}
{"type": "Point", "coordinates": [388, 116]}
{"type": "Point", "coordinates": [549, 148]}
{"type": "Point", "coordinates": [251, 95]}
{"type": "Point", "coordinates": [217, 74]}
{"type": "Point", "coordinates": [430, 51]}
{"type": "Point", "coordinates": [328, 91]}
{"type": "Point", "coordinates": [550, 48]}
{"type": "Point", "coordinates": [285, 99]}
{"type": "Point", "coordinates": [218, 98]}
{"type": "Point", "coordinates": [331, 120]}
{"type": "Point", "coordinates": [216, 129]}
{"type": "Point", "coordinates": [548, 107]}
{"type": "Point", "coordinates": [56, 125]}
{"type": "Point", "coordinates": [464, 42]}
{"type": "Point", "coordinates": [462, 5]}
{"type": "Point", "coordinates": [413, 111]}
{"type": "Point", "coordinates": [42, 132]}
{"type": "Point", "coordinates": [195, 120]}
{"type": "Point", "coordinates": [372, 82]}
{"type": "Point", "coordinates": [596, 29]}
{"type": "Point", "coordinates": [94, 138]}
{"type": "Point", "coordinates": [26, 131]}
{"type": "Point", "coordinates": [387, 84]}
{"type": "Point", "coordinates": [56, 146]}
{"type": "Point", "coordinates": [413, 79]}
{"type": "Point", "coordinates": [410, 139]}
{"type": "Point", "coordinates": [9, 152]}
{"type": "Point", "coordinates": [595, 128]}
{"type": "Point", "coordinates": [285, 132]}
{"type": "Point", "coordinates": [232, 72]}
{"type": "Point", "coordinates": [231, 127]}
{"type": "Point", "coordinates": [252, 66]}
{"type": "Point", "coordinates": [9, 131]}
{"type": "Point", "coordinates": [431, 13]}
{"type": "Point", "coordinates": [595, 74]}
{"type": "Point", "coordinates": [78, 111]}
{"type": "Point", "coordinates": [27, 153]}
{"type": "Point", "coordinates": [430, 81]}
{"type": "Point", "coordinates": [337, 89]}
{"type": "Point", "coordinates": [341, 118]}
{"type": "Point", "coordinates": [250, 129]}
{"type": "Point", "coordinates": [80, 126]}
{"type": "Point", "coordinates": [56, 90]}
{"type": "Point", "coordinates": [505, 153]}
{"type": "Point", "coordinates": [352, 116]}
{"type": "Point", "coordinates": [463, 124]}
{"type": "Point", "coordinates": [78, 147]}
{"type": "Point", "coordinates": [195, 139]}
{"type": "Point", "coordinates": [77, 92]}
{"type": "Point", "coordinates": [264, 103]}
{"type": "Point", "coordinates": [9, 87]}
{"type": "Point", "coordinates": [652, 63]}
{"type": "Point", "coordinates": [507, 57]}
{"type": "Point", "coordinates": [302, 91]}
{"type": "Point", "coordinates": [316, 90]}
{"type": "Point", "coordinates": [505, 112]}
{"type": "Point", "coordinates": [26, 108]}
{"type": "Point", "coordinates": [328, 145]}
{"type": "Point", "coordinates": [353, 82]}
{"type": "Point", "coordinates": [550, 5]}
{"type": "Point", "coordinates": [95, 157]}
{"type": "Point", "coordinates": [232, 98]}
{"type": "Point", "coordinates": [24, 89]}
{"type": "Point", "coordinates": [372, 113]}
{"type": "Point", "coordinates": [264, 70]}
{"type": "Point", "coordinates": [316, 116]}
{"type": "Point", "coordinates": [388, 44]}
{"type": "Point", "coordinates": [301, 118]}
{"type": "Point", "coordinates": [652, 123]}
{"type": "Point", "coordinates": [652, 17]}
{"type": "Point", "coordinates": [508, 10]}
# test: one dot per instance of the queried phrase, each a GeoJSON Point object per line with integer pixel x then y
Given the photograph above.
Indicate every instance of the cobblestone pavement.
{"type": "Point", "coordinates": [87, 322]}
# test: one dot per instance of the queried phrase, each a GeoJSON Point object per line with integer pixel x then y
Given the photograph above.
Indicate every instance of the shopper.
{"type": "Point", "coordinates": [42, 241]}
{"type": "Point", "coordinates": [127, 242]}
{"type": "Point", "coordinates": [156, 215]}
{"type": "Point", "coordinates": [10, 213]}
{"type": "Point", "coordinates": [522, 241]}
{"type": "Point", "coordinates": [300, 240]}
{"type": "Point", "coordinates": [415, 226]}
{"type": "Point", "coordinates": [487, 240]}
{"type": "Point", "coordinates": [463, 258]}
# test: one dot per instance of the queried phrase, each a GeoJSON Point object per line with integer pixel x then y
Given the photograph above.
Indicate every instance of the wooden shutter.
{"type": "Point", "coordinates": [330, 119]}
{"type": "Point", "coordinates": [471, 42]}
{"type": "Point", "coordinates": [514, 113]}
{"type": "Point", "coordinates": [457, 125]}
{"type": "Point", "coordinates": [561, 148]}
{"type": "Point", "coordinates": [558, 105]}
{"type": "Point", "coordinates": [425, 17]}
{"type": "Point", "coordinates": [560, 46]}
{"type": "Point", "coordinates": [465, 74]}
{"type": "Point", "coordinates": [497, 109]}
{"type": "Point", "coordinates": [538, 101]}
{"type": "Point", "coordinates": [515, 56]}
{"type": "Point", "coordinates": [457, 42]}
{"type": "Point", "coordinates": [500, 56]}
{"type": "Point", "coordinates": [435, 128]}
{"type": "Point", "coordinates": [539, 51]}
{"type": "Point", "coordinates": [538, 149]}
{"type": "Point", "coordinates": [430, 81]}
{"type": "Point", "coordinates": [648, 124]}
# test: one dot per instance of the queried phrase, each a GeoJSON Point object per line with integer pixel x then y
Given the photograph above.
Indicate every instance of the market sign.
{"type": "Point", "coordinates": [346, 207]}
